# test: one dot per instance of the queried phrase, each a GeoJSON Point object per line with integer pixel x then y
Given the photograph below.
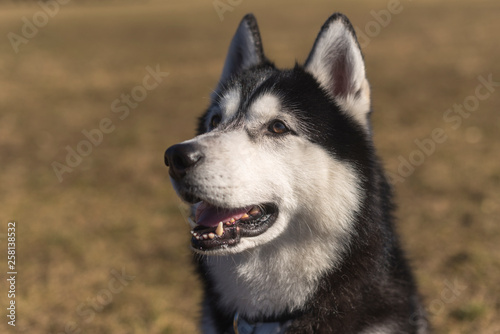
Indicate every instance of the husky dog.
{"type": "Point", "coordinates": [292, 213]}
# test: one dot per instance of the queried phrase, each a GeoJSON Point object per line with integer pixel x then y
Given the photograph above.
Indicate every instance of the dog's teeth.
{"type": "Point", "coordinates": [220, 230]}
{"type": "Point", "coordinates": [205, 236]}
{"type": "Point", "coordinates": [211, 235]}
{"type": "Point", "coordinates": [255, 211]}
{"type": "Point", "coordinates": [232, 220]}
{"type": "Point", "coordinates": [245, 216]}
{"type": "Point", "coordinates": [228, 223]}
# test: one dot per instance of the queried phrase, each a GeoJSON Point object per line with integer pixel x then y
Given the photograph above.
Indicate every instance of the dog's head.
{"type": "Point", "coordinates": [274, 142]}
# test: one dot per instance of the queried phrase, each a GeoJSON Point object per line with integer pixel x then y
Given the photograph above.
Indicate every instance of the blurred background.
{"type": "Point", "coordinates": [93, 92]}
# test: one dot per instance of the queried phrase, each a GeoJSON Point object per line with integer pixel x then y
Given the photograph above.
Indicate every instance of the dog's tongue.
{"type": "Point", "coordinates": [210, 216]}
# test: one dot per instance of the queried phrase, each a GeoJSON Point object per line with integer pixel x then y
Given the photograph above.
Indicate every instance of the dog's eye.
{"type": "Point", "coordinates": [278, 127]}
{"type": "Point", "coordinates": [215, 121]}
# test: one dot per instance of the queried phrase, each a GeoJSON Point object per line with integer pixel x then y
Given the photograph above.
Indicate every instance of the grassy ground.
{"type": "Point", "coordinates": [115, 214]}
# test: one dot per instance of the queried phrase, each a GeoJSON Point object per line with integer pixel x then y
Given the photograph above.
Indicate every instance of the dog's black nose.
{"type": "Point", "coordinates": [182, 157]}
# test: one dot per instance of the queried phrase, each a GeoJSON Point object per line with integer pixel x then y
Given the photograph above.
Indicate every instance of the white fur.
{"type": "Point", "coordinates": [381, 329]}
{"type": "Point", "coordinates": [311, 232]}
{"type": "Point", "coordinates": [229, 104]}
{"type": "Point", "coordinates": [227, 108]}
{"type": "Point", "coordinates": [337, 41]}
{"type": "Point", "coordinates": [265, 108]}
{"type": "Point", "coordinates": [358, 107]}
{"type": "Point", "coordinates": [309, 238]}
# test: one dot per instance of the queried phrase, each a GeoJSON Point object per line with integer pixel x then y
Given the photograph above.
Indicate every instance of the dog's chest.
{"type": "Point", "coordinates": [261, 284]}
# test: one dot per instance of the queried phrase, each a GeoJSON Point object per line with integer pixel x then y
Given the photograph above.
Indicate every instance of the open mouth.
{"type": "Point", "coordinates": [218, 228]}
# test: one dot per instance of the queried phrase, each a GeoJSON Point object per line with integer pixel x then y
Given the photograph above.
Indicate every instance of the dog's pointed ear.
{"type": "Point", "coordinates": [337, 64]}
{"type": "Point", "coordinates": [245, 49]}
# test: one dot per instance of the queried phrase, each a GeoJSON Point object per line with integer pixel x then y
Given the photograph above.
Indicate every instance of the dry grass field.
{"type": "Point", "coordinates": [105, 249]}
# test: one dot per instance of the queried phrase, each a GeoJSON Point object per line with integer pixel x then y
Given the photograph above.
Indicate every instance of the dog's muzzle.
{"type": "Point", "coordinates": [214, 226]}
